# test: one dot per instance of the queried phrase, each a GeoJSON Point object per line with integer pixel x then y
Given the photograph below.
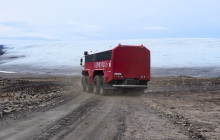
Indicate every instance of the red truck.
{"type": "Point", "coordinates": [125, 66]}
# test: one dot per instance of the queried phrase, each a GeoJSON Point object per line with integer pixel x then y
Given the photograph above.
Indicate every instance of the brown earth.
{"type": "Point", "coordinates": [53, 107]}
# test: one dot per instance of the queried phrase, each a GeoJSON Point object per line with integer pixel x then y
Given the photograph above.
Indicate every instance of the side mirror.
{"type": "Point", "coordinates": [85, 53]}
{"type": "Point", "coordinates": [81, 61]}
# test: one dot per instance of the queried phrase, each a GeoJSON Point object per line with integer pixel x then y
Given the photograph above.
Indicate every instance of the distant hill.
{"type": "Point", "coordinates": [1, 49]}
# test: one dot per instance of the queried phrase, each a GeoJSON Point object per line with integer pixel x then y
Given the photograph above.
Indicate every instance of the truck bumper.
{"type": "Point", "coordinates": [131, 86]}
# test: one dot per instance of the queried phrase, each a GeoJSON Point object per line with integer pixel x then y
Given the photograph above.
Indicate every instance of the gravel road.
{"type": "Point", "coordinates": [72, 114]}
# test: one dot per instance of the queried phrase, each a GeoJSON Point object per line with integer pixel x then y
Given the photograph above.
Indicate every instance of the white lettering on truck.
{"type": "Point", "coordinates": [103, 64]}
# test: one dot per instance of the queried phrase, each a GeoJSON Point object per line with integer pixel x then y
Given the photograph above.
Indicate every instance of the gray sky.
{"type": "Point", "coordinates": [109, 19]}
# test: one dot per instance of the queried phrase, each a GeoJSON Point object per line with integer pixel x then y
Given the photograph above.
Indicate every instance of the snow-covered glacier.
{"type": "Point", "coordinates": [165, 53]}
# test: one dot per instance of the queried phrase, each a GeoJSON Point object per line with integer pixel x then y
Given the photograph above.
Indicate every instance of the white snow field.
{"type": "Point", "coordinates": [165, 53]}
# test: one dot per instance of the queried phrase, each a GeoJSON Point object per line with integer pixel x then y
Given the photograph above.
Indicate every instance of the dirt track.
{"type": "Point", "coordinates": [172, 108]}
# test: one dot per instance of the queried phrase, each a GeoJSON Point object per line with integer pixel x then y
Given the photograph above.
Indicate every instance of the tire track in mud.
{"type": "Point", "coordinates": [73, 118]}
{"type": "Point", "coordinates": [106, 121]}
{"type": "Point", "coordinates": [121, 126]}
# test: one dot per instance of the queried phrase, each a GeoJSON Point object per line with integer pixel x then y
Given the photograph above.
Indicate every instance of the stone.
{"type": "Point", "coordinates": [7, 110]}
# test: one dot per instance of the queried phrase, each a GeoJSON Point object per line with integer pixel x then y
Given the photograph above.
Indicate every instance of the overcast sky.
{"type": "Point", "coordinates": [109, 19]}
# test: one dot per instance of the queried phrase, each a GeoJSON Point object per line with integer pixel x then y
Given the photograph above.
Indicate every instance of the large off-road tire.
{"type": "Point", "coordinates": [102, 90]}
{"type": "Point", "coordinates": [84, 83]}
{"type": "Point", "coordinates": [88, 85]}
{"type": "Point", "coordinates": [96, 84]}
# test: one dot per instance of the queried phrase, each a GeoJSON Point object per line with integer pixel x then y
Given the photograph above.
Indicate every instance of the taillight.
{"type": "Point", "coordinates": [143, 77]}
{"type": "Point", "coordinates": [117, 75]}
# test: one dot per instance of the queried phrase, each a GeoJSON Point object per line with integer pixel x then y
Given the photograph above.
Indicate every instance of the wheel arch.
{"type": "Point", "coordinates": [85, 73]}
{"type": "Point", "coordinates": [98, 72]}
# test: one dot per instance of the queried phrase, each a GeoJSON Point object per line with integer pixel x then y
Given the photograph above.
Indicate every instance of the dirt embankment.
{"type": "Point", "coordinates": [55, 108]}
{"type": "Point", "coordinates": [22, 94]}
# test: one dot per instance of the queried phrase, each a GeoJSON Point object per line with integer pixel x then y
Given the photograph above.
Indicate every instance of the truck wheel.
{"type": "Point", "coordinates": [84, 83]}
{"type": "Point", "coordinates": [96, 84]}
{"type": "Point", "coordinates": [102, 89]}
{"type": "Point", "coordinates": [88, 85]}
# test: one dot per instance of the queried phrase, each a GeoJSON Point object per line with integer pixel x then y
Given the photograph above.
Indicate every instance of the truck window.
{"type": "Point", "coordinates": [99, 56]}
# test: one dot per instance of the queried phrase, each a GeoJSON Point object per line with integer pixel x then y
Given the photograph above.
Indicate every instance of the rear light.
{"type": "Point", "coordinates": [117, 75]}
{"type": "Point", "coordinates": [143, 76]}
